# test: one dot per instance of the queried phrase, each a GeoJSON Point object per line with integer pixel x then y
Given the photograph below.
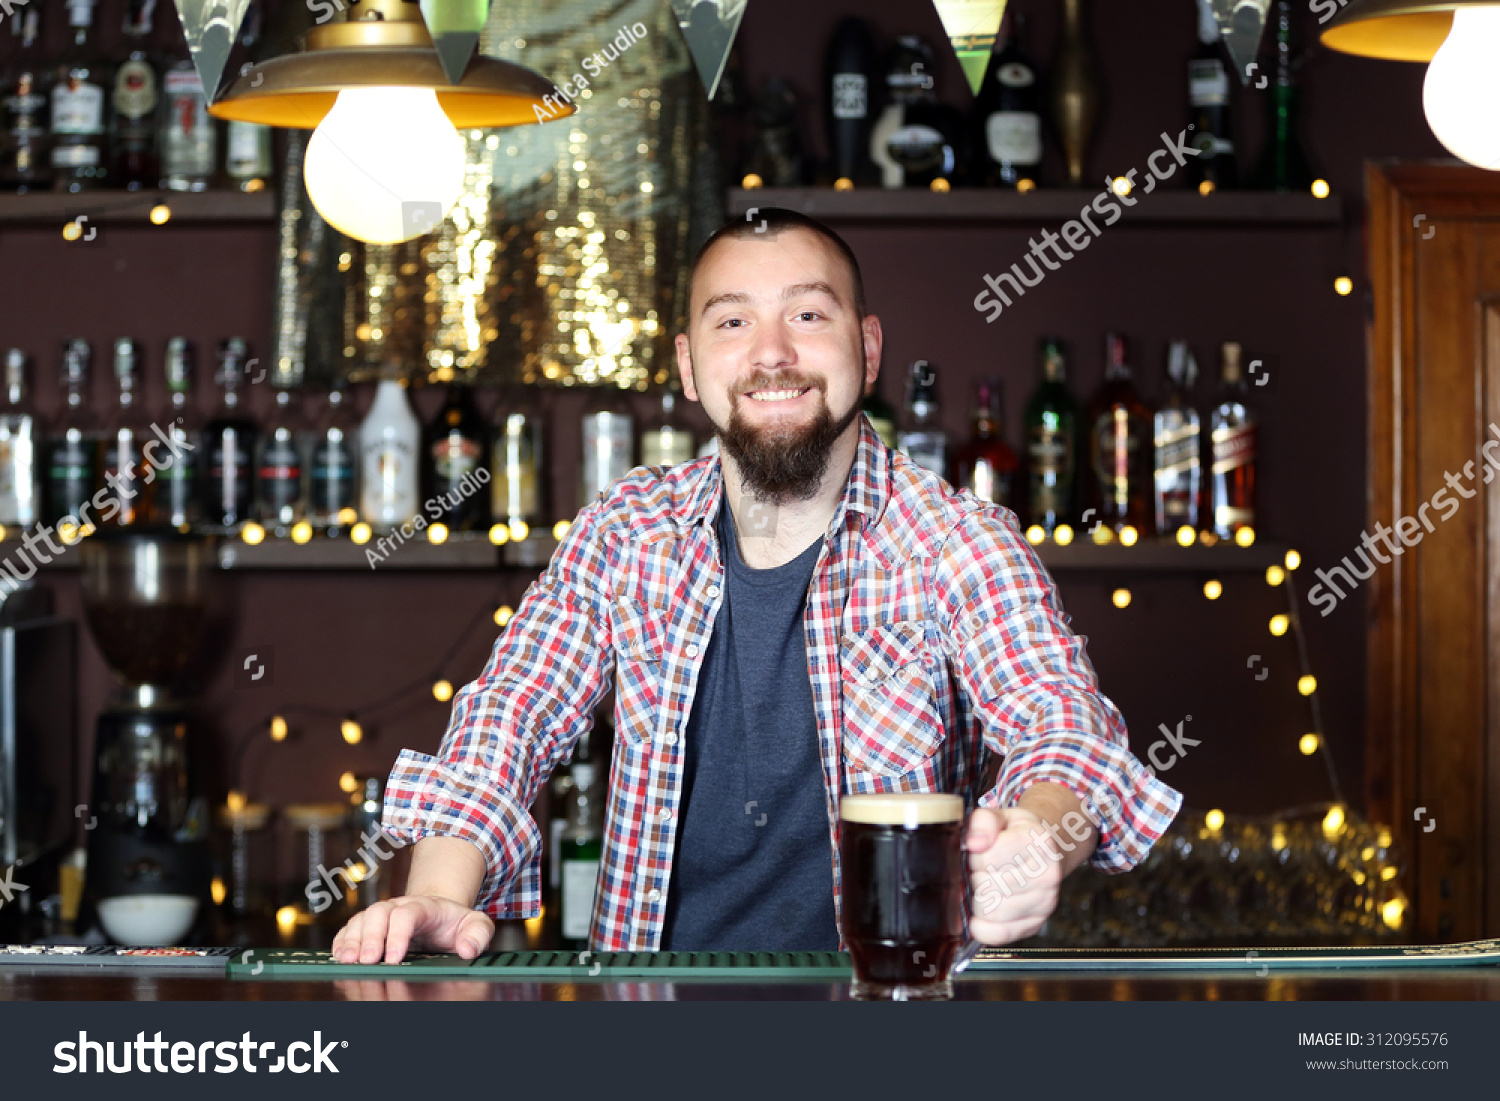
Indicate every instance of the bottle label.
{"type": "Point", "coordinates": [188, 137]}
{"type": "Point", "coordinates": [70, 473]}
{"type": "Point", "coordinates": [916, 148]}
{"type": "Point", "coordinates": [513, 491]}
{"type": "Point", "coordinates": [579, 877]}
{"type": "Point", "coordinates": [135, 89]}
{"type": "Point", "coordinates": [928, 450]}
{"type": "Point", "coordinates": [666, 447]}
{"type": "Point", "coordinates": [331, 484]}
{"type": "Point", "coordinates": [249, 150]}
{"type": "Point", "coordinates": [23, 109]}
{"type": "Point", "coordinates": [17, 471]}
{"type": "Point", "coordinates": [1015, 75]}
{"type": "Point", "coordinates": [989, 484]}
{"type": "Point", "coordinates": [177, 499]}
{"type": "Point", "coordinates": [280, 474]}
{"type": "Point", "coordinates": [851, 96]}
{"type": "Point", "coordinates": [1176, 445]}
{"type": "Point", "coordinates": [78, 108]}
{"type": "Point", "coordinates": [390, 482]}
{"type": "Point", "coordinates": [1233, 447]}
{"type": "Point", "coordinates": [606, 451]}
{"type": "Point", "coordinates": [1208, 83]}
{"type": "Point", "coordinates": [75, 156]}
{"type": "Point", "coordinates": [1051, 455]}
{"type": "Point", "coordinates": [1117, 444]}
{"type": "Point", "coordinates": [229, 469]}
{"type": "Point", "coordinates": [453, 457]}
{"type": "Point", "coordinates": [1014, 137]}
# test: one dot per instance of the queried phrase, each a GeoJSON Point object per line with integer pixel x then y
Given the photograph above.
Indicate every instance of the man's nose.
{"type": "Point", "coordinates": [773, 346]}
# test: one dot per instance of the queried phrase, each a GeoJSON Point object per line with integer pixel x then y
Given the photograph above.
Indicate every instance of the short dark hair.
{"type": "Point", "coordinates": [772, 219]}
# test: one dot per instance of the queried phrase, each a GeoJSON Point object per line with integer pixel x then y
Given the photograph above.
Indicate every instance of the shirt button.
{"type": "Point", "coordinates": [653, 895]}
{"type": "Point", "coordinates": [692, 650]}
{"type": "Point", "coordinates": [666, 814]}
{"type": "Point", "coordinates": [975, 622]}
{"type": "Point", "coordinates": [669, 738]}
{"type": "Point", "coordinates": [713, 591]}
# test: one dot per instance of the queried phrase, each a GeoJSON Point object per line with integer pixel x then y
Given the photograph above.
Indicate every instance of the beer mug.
{"type": "Point", "coordinates": [904, 896]}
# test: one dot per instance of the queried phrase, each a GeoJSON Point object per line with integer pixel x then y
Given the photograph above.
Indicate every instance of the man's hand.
{"type": "Point", "coordinates": [430, 922]}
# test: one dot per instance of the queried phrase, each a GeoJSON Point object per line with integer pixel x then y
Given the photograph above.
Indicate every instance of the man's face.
{"type": "Point", "coordinates": [778, 356]}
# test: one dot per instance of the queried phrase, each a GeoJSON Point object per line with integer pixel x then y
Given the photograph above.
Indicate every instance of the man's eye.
{"type": "Point", "coordinates": [809, 315]}
{"type": "Point", "coordinates": [731, 322]}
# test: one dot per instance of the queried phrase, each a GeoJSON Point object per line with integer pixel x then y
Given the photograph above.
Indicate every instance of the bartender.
{"type": "Point", "coordinates": [808, 613]}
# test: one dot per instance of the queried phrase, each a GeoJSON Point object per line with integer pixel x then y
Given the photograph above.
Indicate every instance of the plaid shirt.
{"type": "Point", "coordinates": [934, 638]}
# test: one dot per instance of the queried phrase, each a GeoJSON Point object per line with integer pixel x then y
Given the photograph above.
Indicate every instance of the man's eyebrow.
{"type": "Point", "coordinates": [728, 298]}
{"type": "Point", "coordinates": [796, 290]}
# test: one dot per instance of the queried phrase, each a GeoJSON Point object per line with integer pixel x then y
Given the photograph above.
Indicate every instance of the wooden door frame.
{"type": "Point", "coordinates": [1407, 200]}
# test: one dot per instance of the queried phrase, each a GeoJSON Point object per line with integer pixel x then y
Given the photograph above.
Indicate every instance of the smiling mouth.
{"type": "Point", "coordinates": [776, 395]}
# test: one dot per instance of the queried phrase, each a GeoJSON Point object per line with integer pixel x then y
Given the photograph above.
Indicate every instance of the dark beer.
{"type": "Point", "coordinates": [902, 896]}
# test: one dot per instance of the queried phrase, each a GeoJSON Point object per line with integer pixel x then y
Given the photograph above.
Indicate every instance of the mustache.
{"type": "Point", "coordinates": [780, 382]}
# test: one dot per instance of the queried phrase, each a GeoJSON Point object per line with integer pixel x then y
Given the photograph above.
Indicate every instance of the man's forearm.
{"type": "Point", "coordinates": [1053, 804]}
{"type": "Point", "coordinates": [446, 867]}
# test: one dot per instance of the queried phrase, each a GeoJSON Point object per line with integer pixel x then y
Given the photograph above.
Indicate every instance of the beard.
{"type": "Point", "coordinates": [781, 463]}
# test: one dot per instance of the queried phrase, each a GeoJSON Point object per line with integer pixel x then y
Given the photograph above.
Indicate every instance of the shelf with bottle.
{"type": "Point", "coordinates": [156, 207]}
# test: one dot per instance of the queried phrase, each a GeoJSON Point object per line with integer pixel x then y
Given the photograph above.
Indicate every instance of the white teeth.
{"type": "Point", "coordinates": [776, 395]}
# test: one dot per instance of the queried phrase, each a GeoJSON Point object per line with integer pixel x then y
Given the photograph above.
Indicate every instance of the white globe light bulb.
{"type": "Point", "coordinates": [385, 164]}
{"type": "Point", "coordinates": [1461, 95]}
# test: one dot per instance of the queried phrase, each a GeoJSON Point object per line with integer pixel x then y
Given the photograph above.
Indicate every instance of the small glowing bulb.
{"type": "Point", "coordinates": [286, 918]}
{"type": "Point", "coordinates": [252, 533]}
{"type": "Point", "coordinates": [940, 185]}
{"type": "Point", "coordinates": [1121, 598]}
{"type": "Point", "coordinates": [1206, 187]}
{"type": "Point", "coordinates": [442, 691]}
{"type": "Point", "coordinates": [1367, 853]}
{"type": "Point", "coordinates": [1333, 821]}
{"type": "Point", "coordinates": [1320, 189]}
{"type": "Point", "coordinates": [1388, 873]}
{"type": "Point", "coordinates": [1342, 286]}
{"type": "Point", "coordinates": [1214, 820]}
{"type": "Point", "coordinates": [1278, 837]}
{"type": "Point", "coordinates": [437, 533]}
{"type": "Point", "coordinates": [301, 532]}
{"type": "Point", "coordinates": [1213, 589]}
{"type": "Point", "coordinates": [161, 214]}
{"type": "Point", "coordinates": [1392, 912]}
{"type": "Point", "coordinates": [519, 529]}
{"type": "Point", "coordinates": [351, 731]}
{"type": "Point", "coordinates": [1308, 744]}
{"type": "Point", "coordinates": [1186, 536]}
{"type": "Point", "coordinates": [347, 516]}
{"type": "Point", "coordinates": [1292, 560]}
{"type": "Point", "coordinates": [503, 614]}
{"type": "Point", "coordinates": [216, 890]}
{"type": "Point", "coordinates": [843, 183]}
{"type": "Point", "coordinates": [534, 925]}
{"type": "Point", "coordinates": [1307, 685]}
{"type": "Point", "coordinates": [1208, 538]}
{"type": "Point", "coordinates": [1035, 534]}
{"type": "Point", "coordinates": [1128, 536]}
{"type": "Point", "coordinates": [360, 533]}
{"type": "Point", "coordinates": [1121, 185]}
{"type": "Point", "coordinates": [1104, 534]}
{"type": "Point", "coordinates": [68, 532]}
{"type": "Point", "coordinates": [358, 872]}
{"type": "Point", "coordinates": [1279, 624]}
{"type": "Point", "coordinates": [1062, 535]}
{"type": "Point", "coordinates": [500, 534]}
{"type": "Point", "coordinates": [561, 529]}
{"type": "Point", "coordinates": [72, 231]}
{"type": "Point", "coordinates": [751, 182]}
{"type": "Point", "coordinates": [1383, 837]}
{"type": "Point", "coordinates": [278, 728]}
{"type": "Point", "coordinates": [1245, 536]}
{"type": "Point", "coordinates": [348, 782]}
{"type": "Point", "coordinates": [1024, 185]}
{"type": "Point", "coordinates": [1275, 575]}
{"type": "Point", "coordinates": [235, 802]}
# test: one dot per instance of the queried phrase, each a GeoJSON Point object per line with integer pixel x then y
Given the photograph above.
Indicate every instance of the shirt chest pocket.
{"type": "Point", "coordinates": [640, 639]}
{"type": "Point", "coordinates": [891, 722]}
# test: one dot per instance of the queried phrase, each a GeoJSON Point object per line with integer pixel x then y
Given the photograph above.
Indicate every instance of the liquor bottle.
{"type": "Point", "coordinates": [229, 476]}
{"type": "Point", "coordinates": [280, 498]}
{"type": "Point", "coordinates": [1179, 474]}
{"type": "Point", "coordinates": [1283, 165]}
{"type": "Point", "coordinates": [666, 440]}
{"type": "Point", "coordinates": [1120, 422]}
{"type": "Point", "coordinates": [516, 482]}
{"type": "Point", "coordinates": [247, 145]}
{"type": "Point", "coordinates": [846, 82]}
{"type": "Point", "coordinates": [1213, 168]}
{"type": "Point", "coordinates": [1232, 436]}
{"type": "Point", "coordinates": [18, 446]}
{"type": "Point", "coordinates": [25, 145]}
{"type": "Point", "coordinates": [986, 465]}
{"type": "Point", "coordinates": [1007, 114]}
{"type": "Point", "coordinates": [128, 493]}
{"type": "Point", "coordinates": [189, 140]}
{"type": "Point", "coordinates": [921, 437]}
{"type": "Point", "coordinates": [78, 108]}
{"type": "Point", "coordinates": [917, 141]}
{"type": "Point", "coordinates": [1075, 91]}
{"type": "Point", "coordinates": [452, 451]}
{"type": "Point", "coordinates": [136, 164]}
{"type": "Point", "coordinates": [1052, 424]}
{"type": "Point", "coordinates": [581, 845]}
{"type": "Point", "coordinates": [72, 449]}
{"type": "Point", "coordinates": [331, 482]}
{"type": "Point", "coordinates": [882, 416]}
{"type": "Point", "coordinates": [608, 443]}
{"type": "Point", "coordinates": [390, 441]}
{"type": "Point", "coordinates": [176, 503]}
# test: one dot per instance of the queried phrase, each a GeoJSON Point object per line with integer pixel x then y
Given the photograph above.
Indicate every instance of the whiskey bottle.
{"type": "Point", "coordinates": [19, 486]}
{"type": "Point", "coordinates": [986, 465]}
{"type": "Point", "coordinates": [189, 140]}
{"type": "Point", "coordinates": [229, 477]}
{"type": "Point", "coordinates": [137, 95]}
{"type": "Point", "coordinates": [1284, 165]}
{"type": "Point", "coordinates": [1007, 114]}
{"type": "Point", "coordinates": [665, 440]}
{"type": "Point", "coordinates": [279, 488]}
{"type": "Point", "coordinates": [608, 443]}
{"type": "Point", "coordinates": [72, 450]}
{"type": "Point", "coordinates": [127, 493]}
{"type": "Point", "coordinates": [846, 67]}
{"type": "Point", "coordinates": [25, 147]}
{"type": "Point", "coordinates": [1052, 424]}
{"type": "Point", "coordinates": [1121, 459]}
{"type": "Point", "coordinates": [176, 502]}
{"type": "Point", "coordinates": [516, 466]}
{"type": "Point", "coordinates": [78, 108]}
{"type": "Point", "coordinates": [1208, 97]}
{"type": "Point", "coordinates": [922, 437]}
{"type": "Point", "coordinates": [247, 145]}
{"type": "Point", "coordinates": [331, 483]}
{"type": "Point", "coordinates": [1178, 442]}
{"type": "Point", "coordinates": [581, 846]}
{"type": "Point", "coordinates": [390, 441]}
{"type": "Point", "coordinates": [453, 450]}
{"type": "Point", "coordinates": [1232, 436]}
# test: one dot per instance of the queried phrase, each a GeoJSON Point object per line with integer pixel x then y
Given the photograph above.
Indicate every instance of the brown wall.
{"type": "Point", "coordinates": [344, 639]}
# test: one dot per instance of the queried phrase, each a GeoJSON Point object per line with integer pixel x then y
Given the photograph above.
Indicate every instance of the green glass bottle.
{"type": "Point", "coordinates": [580, 847]}
{"type": "Point", "coordinates": [1284, 165]}
{"type": "Point", "coordinates": [1051, 444]}
{"type": "Point", "coordinates": [881, 415]}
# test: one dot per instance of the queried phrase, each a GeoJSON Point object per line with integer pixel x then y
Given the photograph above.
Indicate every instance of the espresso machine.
{"type": "Point", "coordinates": [146, 601]}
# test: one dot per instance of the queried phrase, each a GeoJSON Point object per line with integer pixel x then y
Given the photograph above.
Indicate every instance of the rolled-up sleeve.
{"type": "Point", "coordinates": [1028, 678]}
{"type": "Point", "coordinates": [512, 725]}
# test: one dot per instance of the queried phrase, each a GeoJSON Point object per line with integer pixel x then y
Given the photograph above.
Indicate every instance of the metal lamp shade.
{"type": "Point", "coordinates": [1394, 30]}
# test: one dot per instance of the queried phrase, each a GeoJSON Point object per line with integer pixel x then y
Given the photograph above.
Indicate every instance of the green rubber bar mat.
{"type": "Point", "coordinates": [553, 966]}
{"type": "Point", "coordinates": [1476, 953]}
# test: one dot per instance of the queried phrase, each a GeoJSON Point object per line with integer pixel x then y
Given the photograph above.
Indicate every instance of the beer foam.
{"type": "Point", "coordinates": [909, 809]}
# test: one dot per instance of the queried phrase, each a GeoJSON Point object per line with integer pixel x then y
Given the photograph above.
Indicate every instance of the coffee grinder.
{"type": "Point", "coordinates": [145, 597]}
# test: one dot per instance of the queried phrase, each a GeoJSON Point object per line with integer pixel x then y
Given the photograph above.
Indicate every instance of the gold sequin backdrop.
{"type": "Point", "coordinates": [564, 261]}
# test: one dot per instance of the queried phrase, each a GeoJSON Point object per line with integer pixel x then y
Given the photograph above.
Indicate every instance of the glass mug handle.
{"type": "Point", "coordinates": [971, 946]}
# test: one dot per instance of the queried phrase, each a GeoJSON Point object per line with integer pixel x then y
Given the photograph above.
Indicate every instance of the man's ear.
{"type": "Point", "coordinates": [873, 339]}
{"type": "Point", "coordinates": [685, 366]}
